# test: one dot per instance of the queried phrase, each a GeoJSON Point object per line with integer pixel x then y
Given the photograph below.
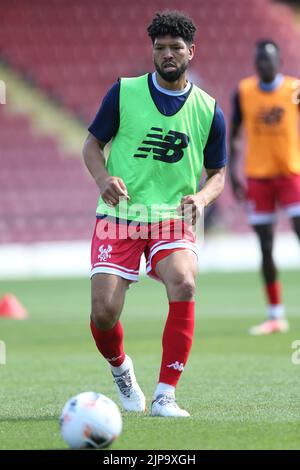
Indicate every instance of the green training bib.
{"type": "Point", "coordinates": [159, 157]}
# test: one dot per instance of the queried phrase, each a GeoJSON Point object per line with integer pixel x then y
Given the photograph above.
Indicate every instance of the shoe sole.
{"type": "Point", "coordinates": [268, 333]}
{"type": "Point", "coordinates": [177, 416]}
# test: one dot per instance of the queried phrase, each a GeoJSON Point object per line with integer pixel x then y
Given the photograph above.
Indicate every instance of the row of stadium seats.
{"type": "Point", "coordinates": [86, 47]}
{"type": "Point", "coordinates": [44, 195]}
{"type": "Point", "coordinates": [74, 51]}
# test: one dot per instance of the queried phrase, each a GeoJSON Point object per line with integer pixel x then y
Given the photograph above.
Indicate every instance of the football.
{"type": "Point", "coordinates": [90, 420]}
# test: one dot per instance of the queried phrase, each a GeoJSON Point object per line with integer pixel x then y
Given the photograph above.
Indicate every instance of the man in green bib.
{"type": "Point", "coordinates": [161, 130]}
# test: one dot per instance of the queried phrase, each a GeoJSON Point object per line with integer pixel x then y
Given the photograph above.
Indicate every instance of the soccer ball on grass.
{"type": "Point", "coordinates": [90, 420]}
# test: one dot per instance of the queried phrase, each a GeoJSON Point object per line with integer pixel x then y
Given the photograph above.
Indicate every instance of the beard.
{"type": "Point", "coordinates": [174, 75]}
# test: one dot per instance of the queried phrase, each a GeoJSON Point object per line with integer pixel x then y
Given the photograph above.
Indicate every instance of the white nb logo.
{"type": "Point", "coordinates": [176, 366]}
{"type": "Point", "coordinates": [104, 253]}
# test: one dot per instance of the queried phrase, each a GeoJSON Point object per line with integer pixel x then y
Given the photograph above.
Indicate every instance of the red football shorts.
{"type": "Point", "coordinates": [265, 195]}
{"type": "Point", "coordinates": [117, 246]}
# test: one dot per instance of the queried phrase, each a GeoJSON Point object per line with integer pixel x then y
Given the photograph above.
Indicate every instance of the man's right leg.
{"type": "Point", "coordinates": [108, 295]}
{"type": "Point", "coordinates": [275, 321]}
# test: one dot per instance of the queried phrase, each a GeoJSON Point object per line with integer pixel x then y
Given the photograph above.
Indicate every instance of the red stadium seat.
{"type": "Point", "coordinates": [74, 52]}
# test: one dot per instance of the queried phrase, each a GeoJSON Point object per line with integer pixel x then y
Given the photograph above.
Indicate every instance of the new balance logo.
{"type": "Point", "coordinates": [176, 366]}
{"type": "Point", "coordinates": [271, 116]}
{"type": "Point", "coordinates": [168, 148]}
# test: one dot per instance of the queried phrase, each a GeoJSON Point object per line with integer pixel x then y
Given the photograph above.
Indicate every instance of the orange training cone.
{"type": "Point", "coordinates": [10, 307]}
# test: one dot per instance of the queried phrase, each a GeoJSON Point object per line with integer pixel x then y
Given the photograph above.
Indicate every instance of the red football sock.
{"type": "Point", "coordinates": [177, 341]}
{"type": "Point", "coordinates": [273, 291]}
{"type": "Point", "coordinates": [110, 343]}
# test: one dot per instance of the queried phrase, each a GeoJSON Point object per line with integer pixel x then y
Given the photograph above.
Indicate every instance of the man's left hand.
{"type": "Point", "coordinates": [191, 207]}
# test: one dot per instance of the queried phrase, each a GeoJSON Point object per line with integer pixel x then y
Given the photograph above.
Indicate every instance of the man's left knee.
{"type": "Point", "coordinates": [184, 285]}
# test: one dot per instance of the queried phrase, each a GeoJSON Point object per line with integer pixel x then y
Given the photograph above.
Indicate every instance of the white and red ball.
{"type": "Point", "coordinates": [90, 420]}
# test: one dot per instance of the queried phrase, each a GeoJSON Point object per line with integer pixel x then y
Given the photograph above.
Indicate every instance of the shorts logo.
{"type": "Point", "coordinates": [168, 148]}
{"type": "Point", "coordinates": [177, 366]}
{"type": "Point", "coordinates": [104, 253]}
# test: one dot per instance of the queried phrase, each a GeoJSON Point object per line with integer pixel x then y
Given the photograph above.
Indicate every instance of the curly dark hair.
{"type": "Point", "coordinates": [173, 23]}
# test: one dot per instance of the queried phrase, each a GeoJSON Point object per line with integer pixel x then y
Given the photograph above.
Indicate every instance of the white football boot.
{"type": "Point", "coordinates": [270, 326]}
{"type": "Point", "coordinates": [165, 405]}
{"type": "Point", "coordinates": [130, 394]}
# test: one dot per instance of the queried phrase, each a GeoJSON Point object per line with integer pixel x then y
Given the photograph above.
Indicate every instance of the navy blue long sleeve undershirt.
{"type": "Point", "coordinates": [107, 121]}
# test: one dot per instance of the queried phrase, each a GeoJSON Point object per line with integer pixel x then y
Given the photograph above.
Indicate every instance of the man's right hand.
{"type": "Point", "coordinates": [238, 188]}
{"type": "Point", "coordinates": [112, 189]}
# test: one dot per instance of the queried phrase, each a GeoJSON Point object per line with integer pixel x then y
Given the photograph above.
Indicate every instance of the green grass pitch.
{"type": "Point", "coordinates": [242, 392]}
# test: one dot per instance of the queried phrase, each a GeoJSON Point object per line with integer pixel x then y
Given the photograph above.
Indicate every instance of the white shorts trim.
{"type": "Point", "coordinates": [117, 272]}
{"type": "Point", "coordinates": [169, 246]}
{"type": "Point", "coordinates": [261, 218]}
{"type": "Point", "coordinates": [108, 265]}
{"type": "Point", "coordinates": [293, 210]}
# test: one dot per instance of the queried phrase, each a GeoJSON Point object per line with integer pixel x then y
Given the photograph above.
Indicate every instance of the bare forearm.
{"type": "Point", "coordinates": [94, 160]}
{"type": "Point", "coordinates": [213, 187]}
{"type": "Point", "coordinates": [112, 188]}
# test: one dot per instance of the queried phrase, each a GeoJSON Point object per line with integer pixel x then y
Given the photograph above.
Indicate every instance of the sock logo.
{"type": "Point", "coordinates": [168, 148]}
{"type": "Point", "coordinates": [176, 366]}
{"type": "Point", "coordinates": [112, 359]}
